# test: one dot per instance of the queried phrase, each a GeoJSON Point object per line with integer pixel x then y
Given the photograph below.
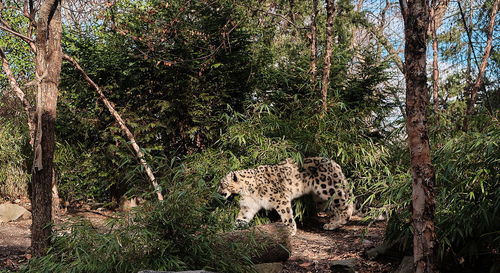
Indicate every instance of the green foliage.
{"type": "Point", "coordinates": [181, 232]}
{"type": "Point", "coordinates": [266, 135]}
{"type": "Point", "coordinates": [13, 175]}
{"type": "Point", "coordinates": [467, 195]}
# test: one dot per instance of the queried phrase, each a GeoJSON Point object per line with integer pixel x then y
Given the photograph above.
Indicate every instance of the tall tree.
{"type": "Point", "coordinates": [48, 69]}
{"type": "Point", "coordinates": [416, 22]}
{"type": "Point", "coordinates": [25, 32]}
{"type": "Point", "coordinates": [313, 44]}
{"type": "Point", "coordinates": [436, 12]}
{"type": "Point", "coordinates": [330, 10]}
{"type": "Point", "coordinates": [482, 68]}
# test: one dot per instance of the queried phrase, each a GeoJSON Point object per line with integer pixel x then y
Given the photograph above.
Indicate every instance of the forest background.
{"type": "Point", "coordinates": [212, 86]}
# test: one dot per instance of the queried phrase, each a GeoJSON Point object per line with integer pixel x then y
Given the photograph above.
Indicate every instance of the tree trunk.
{"type": "Point", "coordinates": [416, 21]}
{"type": "Point", "coordinates": [435, 71]}
{"type": "Point", "coordinates": [330, 10]}
{"type": "Point", "coordinates": [313, 42]}
{"type": "Point", "coordinates": [436, 12]}
{"type": "Point", "coordinates": [121, 123]}
{"type": "Point", "coordinates": [482, 68]}
{"type": "Point", "coordinates": [48, 69]}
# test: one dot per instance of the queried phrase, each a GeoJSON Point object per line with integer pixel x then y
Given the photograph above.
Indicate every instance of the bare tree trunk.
{"type": "Point", "coordinates": [435, 70]}
{"type": "Point", "coordinates": [121, 123]}
{"type": "Point", "coordinates": [436, 12]}
{"type": "Point", "coordinates": [355, 29]}
{"type": "Point", "coordinates": [48, 69]}
{"type": "Point", "coordinates": [330, 10]}
{"type": "Point", "coordinates": [482, 68]}
{"type": "Point", "coordinates": [416, 22]}
{"type": "Point", "coordinates": [313, 42]}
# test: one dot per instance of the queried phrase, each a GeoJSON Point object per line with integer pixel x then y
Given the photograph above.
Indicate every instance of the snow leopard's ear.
{"type": "Point", "coordinates": [235, 178]}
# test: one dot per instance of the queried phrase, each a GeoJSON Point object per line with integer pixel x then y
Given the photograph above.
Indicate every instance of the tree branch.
{"type": "Point", "coordinates": [4, 26]}
{"type": "Point", "coordinates": [484, 63]}
{"type": "Point", "coordinates": [19, 93]}
{"type": "Point", "coordinates": [388, 46]}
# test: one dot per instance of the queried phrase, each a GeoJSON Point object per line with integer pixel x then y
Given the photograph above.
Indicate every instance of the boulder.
{"type": "Point", "coordinates": [343, 266]}
{"type": "Point", "coordinates": [406, 265]}
{"type": "Point", "coordinates": [268, 267]}
{"type": "Point", "coordinates": [12, 212]}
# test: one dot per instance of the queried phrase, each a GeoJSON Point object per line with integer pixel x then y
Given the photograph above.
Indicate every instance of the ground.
{"type": "Point", "coordinates": [314, 249]}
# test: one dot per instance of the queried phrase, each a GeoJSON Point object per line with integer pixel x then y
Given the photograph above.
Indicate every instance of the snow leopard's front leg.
{"type": "Point", "coordinates": [285, 211]}
{"type": "Point", "coordinates": [248, 209]}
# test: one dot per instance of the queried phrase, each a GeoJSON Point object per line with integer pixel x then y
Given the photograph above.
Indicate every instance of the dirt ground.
{"type": "Point", "coordinates": [313, 249]}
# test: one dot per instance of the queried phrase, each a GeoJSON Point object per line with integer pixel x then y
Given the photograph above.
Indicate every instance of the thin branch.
{"type": "Point", "coordinates": [467, 30]}
{"type": "Point", "coordinates": [388, 46]}
{"type": "Point", "coordinates": [19, 93]}
{"type": "Point", "coordinates": [484, 63]}
{"type": "Point", "coordinates": [5, 26]}
{"type": "Point", "coordinates": [404, 8]}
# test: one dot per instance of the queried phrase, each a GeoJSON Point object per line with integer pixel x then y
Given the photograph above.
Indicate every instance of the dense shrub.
{"type": "Point", "coordinates": [13, 175]}
{"type": "Point", "coordinates": [467, 197]}
{"type": "Point", "coordinates": [180, 232]}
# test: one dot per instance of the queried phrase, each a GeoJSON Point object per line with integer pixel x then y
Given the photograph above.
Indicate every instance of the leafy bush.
{"type": "Point", "coordinates": [13, 176]}
{"type": "Point", "coordinates": [267, 135]}
{"type": "Point", "coordinates": [467, 197]}
{"type": "Point", "coordinates": [180, 232]}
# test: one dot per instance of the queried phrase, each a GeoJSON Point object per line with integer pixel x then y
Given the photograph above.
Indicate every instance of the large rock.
{"type": "Point", "coordinates": [12, 212]}
{"type": "Point", "coordinates": [343, 266]}
{"type": "Point", "coordinates": [268, 267]}
{"type": "Point", "coordinates": [406, 265]}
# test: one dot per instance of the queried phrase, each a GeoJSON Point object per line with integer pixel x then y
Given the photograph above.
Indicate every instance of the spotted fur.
{"type": "Point", "coordinates": [275, 186]}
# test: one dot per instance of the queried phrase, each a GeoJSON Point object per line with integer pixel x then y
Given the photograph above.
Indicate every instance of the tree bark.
{"type": "Point", "coordinates": [330, 10]}
{"type": "Point", "coordinates": [313, 48]}
{"type": "Point", "coordinates": [121, 123]}
{"type": "Point", "coordinates": [48, 69]}
{"type": "Point", "coordinates": [482, 68]}
{"type": "Point", "coordinates": [416, 22]}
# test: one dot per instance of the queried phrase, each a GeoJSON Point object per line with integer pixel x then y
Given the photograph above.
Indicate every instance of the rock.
{"type": "Point", "coordinates": [385, 249]}
{"type": "Point", "coordinates": [367, 243]}
{"type": "Point", "coordinates": [12, 212]}
{"type": "Point", "coordinates": [406, 265]}
{"type": "Point", "coordinates": [343, 266]}
{"type": "Point", "coordinates": [268, 268]}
